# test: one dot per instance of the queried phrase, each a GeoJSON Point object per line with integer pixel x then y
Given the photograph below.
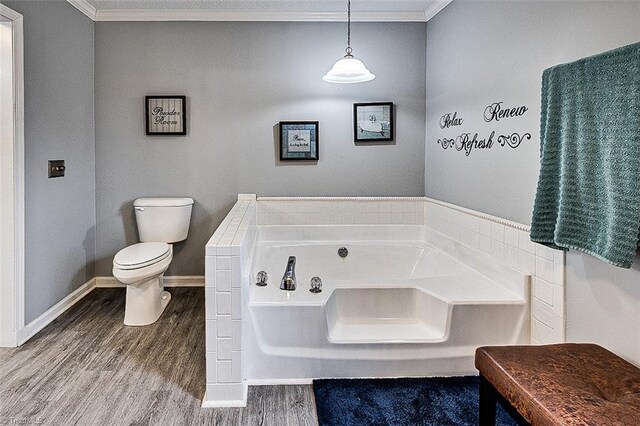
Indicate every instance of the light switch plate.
{"type": "Point", "coordinates": [56, 168]}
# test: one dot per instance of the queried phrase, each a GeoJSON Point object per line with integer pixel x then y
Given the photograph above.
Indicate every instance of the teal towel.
{"type": "Point", "coordinates": [588, 195]}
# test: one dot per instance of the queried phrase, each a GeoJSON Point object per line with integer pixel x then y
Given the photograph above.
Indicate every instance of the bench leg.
{"type": "Point", "coordinates": [487, 403]}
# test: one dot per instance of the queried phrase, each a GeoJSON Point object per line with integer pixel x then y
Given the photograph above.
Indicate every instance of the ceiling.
{"type": "Point", "coordinates": [259, 10]}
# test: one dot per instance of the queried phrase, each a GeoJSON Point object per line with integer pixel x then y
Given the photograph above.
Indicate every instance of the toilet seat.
{"type": "Point", "coordinates": [141, 255]}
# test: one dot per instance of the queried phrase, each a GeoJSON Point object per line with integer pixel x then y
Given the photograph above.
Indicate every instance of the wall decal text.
{"type": "Point", "coordinates": [496, 112]}
{"type": "Point", "coordinates": [449, 120]}
{"type": "Point", "coordinates": [467, 143]}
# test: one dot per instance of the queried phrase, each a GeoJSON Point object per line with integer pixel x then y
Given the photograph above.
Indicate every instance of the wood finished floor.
{"type": "Point", "coordinates": [87, 368]}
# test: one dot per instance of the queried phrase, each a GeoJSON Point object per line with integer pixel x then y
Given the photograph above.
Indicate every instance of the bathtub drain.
{"type": "Point", "coordinates": [343, 252]}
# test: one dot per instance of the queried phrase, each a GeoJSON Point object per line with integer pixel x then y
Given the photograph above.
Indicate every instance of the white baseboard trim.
{"type": "Point", "coordinates": [173, 281]}
{"type": "Point", "coordinates": [277, 382]}
{"type": "Point", "coordinates": [227, 403]}
{"type": "Point", "coordinates": [31, 329]}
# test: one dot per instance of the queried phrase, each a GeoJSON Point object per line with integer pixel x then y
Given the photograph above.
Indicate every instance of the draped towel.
{"type": "Point", "coordinates": [588, 195]}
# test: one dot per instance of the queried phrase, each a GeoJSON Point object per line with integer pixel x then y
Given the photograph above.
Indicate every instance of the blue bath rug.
{"type": "Point", "coordinates": [437, 401]}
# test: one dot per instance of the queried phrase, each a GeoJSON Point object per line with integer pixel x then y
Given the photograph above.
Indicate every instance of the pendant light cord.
{"type": "Point", "coordinates": [348, 49]}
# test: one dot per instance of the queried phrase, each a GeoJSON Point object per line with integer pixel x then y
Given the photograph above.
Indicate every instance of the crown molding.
{"type": "Point", "coordinates": [85, 7]}
{"type": "Point", "coordinates": [252, 16]}
{"type": "Point", "coordinates": [255, 16]}
{"type": "Point", "coordinates": [435, 7]}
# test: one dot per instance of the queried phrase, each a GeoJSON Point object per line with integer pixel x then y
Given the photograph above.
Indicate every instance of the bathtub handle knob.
{"type": "Point", "coordinates": [261, 279]}
{"type": "Point", "coordinates": [316, 285]}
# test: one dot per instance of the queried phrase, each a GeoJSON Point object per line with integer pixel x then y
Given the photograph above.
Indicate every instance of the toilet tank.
{"type": "Point", "coordinates": [163, 219]}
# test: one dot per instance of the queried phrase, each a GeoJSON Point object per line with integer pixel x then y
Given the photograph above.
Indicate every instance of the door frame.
{"type": "Point", "coordinates": [12, 319]}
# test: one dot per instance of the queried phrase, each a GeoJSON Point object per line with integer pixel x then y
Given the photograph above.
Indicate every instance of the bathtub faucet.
{"type": "Point", "coordinates": [289, 278]}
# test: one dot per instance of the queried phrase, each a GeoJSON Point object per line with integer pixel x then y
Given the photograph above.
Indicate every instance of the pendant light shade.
{"type": "Point", "coordinates": [348, 69]}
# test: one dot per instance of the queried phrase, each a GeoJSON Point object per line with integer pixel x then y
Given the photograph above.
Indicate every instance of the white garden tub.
{"type": "Point", "coordinates": [404, 302]}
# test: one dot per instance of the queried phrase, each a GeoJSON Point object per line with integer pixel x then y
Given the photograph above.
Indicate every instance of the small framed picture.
{"type": "Point", "coordinates": [166, 115]}
{"type": "Point", "coordinates": [373, 122]}
{"type": "Point", "coordinates": [298, 140]}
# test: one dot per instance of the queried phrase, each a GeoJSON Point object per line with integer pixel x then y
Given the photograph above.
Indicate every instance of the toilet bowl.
{"type": "Point", "coordinates": [161, 221]}
{"type": "Point", "coordinates": [141, 267]}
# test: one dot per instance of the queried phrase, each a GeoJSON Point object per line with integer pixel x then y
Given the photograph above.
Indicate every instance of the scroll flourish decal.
{"type": "Point", "coordinates": [513, 140]}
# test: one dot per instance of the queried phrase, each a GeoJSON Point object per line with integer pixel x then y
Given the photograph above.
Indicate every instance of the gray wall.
{"type": "Point", "coordinates": [59, 125]}
{"type": "Point", "coordinates": [484, 52]}
{"type": "Point", "coordinates": [240, 80]}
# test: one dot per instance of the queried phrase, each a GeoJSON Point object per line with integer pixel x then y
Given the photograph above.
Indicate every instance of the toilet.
{"type": "Point", "coordinates": [161, 222]}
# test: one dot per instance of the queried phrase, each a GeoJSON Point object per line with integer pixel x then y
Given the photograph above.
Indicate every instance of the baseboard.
{"type": "Point", "coordinates": [173, 281]}
{"type": "Point", "coordinates": [227, 403]}
{"type": "Point", "coordinates": [277, 382]}
{"type": "Point", "coordinates": [31, 329]}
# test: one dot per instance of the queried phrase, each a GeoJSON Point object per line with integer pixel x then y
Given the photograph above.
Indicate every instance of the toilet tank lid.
{"type": "Point", "coordinates": [163, 202]}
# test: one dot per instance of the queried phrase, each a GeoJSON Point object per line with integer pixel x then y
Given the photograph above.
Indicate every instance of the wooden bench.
{"type": "Point", "coordinates": [563, 384]}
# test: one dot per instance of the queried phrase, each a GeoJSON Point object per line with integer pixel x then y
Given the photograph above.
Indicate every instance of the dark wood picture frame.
{"type": "Point", "coordinates": [380, 128]}
{"type": "Point", "coordinates": [287, 127]}
{"type": "Point", "coordinates": [168, 101]}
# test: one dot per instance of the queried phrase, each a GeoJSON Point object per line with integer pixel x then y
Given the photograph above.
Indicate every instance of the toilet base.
{"type": "Point", "coordinates": [145, 302]}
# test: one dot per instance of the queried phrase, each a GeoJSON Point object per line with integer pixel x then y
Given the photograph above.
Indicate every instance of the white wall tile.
{"type": "Point", "coordinates": [211, 367]}
{"type": "Point", "coordinates": [236, 303]}
{"type": "Point", "coordinates": [484, 227]}
{"type": "Point", "coordinates": [224, 348]}
{"type": "Point", "coordinates": [497, 232]}
{"type": "Point", "coordinates": [236, 272]}
{"type": "Point", "coordinates": [524, 242]}
{"type": "Point", "coordinates": [485, 244]}
{"type": "Point", "coordinates": [397, 218]}
{"type": "Point", "coordinates": [223, 280]}
{"type": "Point", "coordinates": [236, 367]}
{"type": "Point", "coordinates": [511, 236]}
{"type": "Point", "coordinates": [372, 218]}
{"type": "Point", "coordinates": [210, 271]}
{"type": "Point", "coordinates": [348, 218]}
{"type": "Point", "coordinates": [223, 303]}
{"type": "Point", "coordinates": [497, 249]}
{"type": "Point", "coordinates": [470, 222]}
{"type": "Point", "coordinates": [411, 218]}
{"type": "Point", "coordinates": [543, 290]}
{"type": "Point", "coordinates": [210, 303]}
{"type": "Point", "coordinates": [559, 301]}
{"type": "Point", "coordinates": [470, 238]}
{"type": "Point", "coordinates": [544, 269]}
{"type": "Point", "coordinates": [558, 267]}
{"type": "Point", "coordinates": [385, 206]}
{"type": "Point", "coordinates": [511, 256]}
{"type": "Point", "coordinates": [223, 325]}
{"type": "Point", "coordinates": [361, 218]}
{"type": "Point", "coordinates": [224, 371]}
{"type": "Point", "coordinates": [223, 263]}
{"type": "Point", "coordinates": [543, 312]}
{"type": "Point", "coordinates": [544, 252]}
{"type": "Point", "coordinates": [527, 262]}
{"type": "Point", "coordinates": [236, 335]}
{"type": "Point", "coordinates": [311, 218]}
{"type": "Point", "coordinates": [210, 336]}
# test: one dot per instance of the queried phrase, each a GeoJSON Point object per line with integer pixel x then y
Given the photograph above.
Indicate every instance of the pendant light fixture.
{"type": "Point", "coordinates": [348, 69]}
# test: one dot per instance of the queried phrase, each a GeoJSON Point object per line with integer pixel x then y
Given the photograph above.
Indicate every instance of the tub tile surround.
{"type": "Point", "coordinates": [509, 242]}
{"type": "Point", "coordinates": [340, 211]}
{"type": "Point", "coordinates": [229, 249]}
{"type": "Point", "coordinates": [223, 276]}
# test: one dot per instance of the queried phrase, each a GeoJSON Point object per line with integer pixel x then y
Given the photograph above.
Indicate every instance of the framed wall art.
{"type": "Point", "coordinates": [166, 115]}
{"type": "Point", "coordinates": [373, 122]}
{"type": "Point", "coordinates": [298, 140]}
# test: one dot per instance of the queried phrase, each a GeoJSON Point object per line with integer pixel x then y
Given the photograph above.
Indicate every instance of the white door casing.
{"type": "Point", "coordinates": [11, 176]}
